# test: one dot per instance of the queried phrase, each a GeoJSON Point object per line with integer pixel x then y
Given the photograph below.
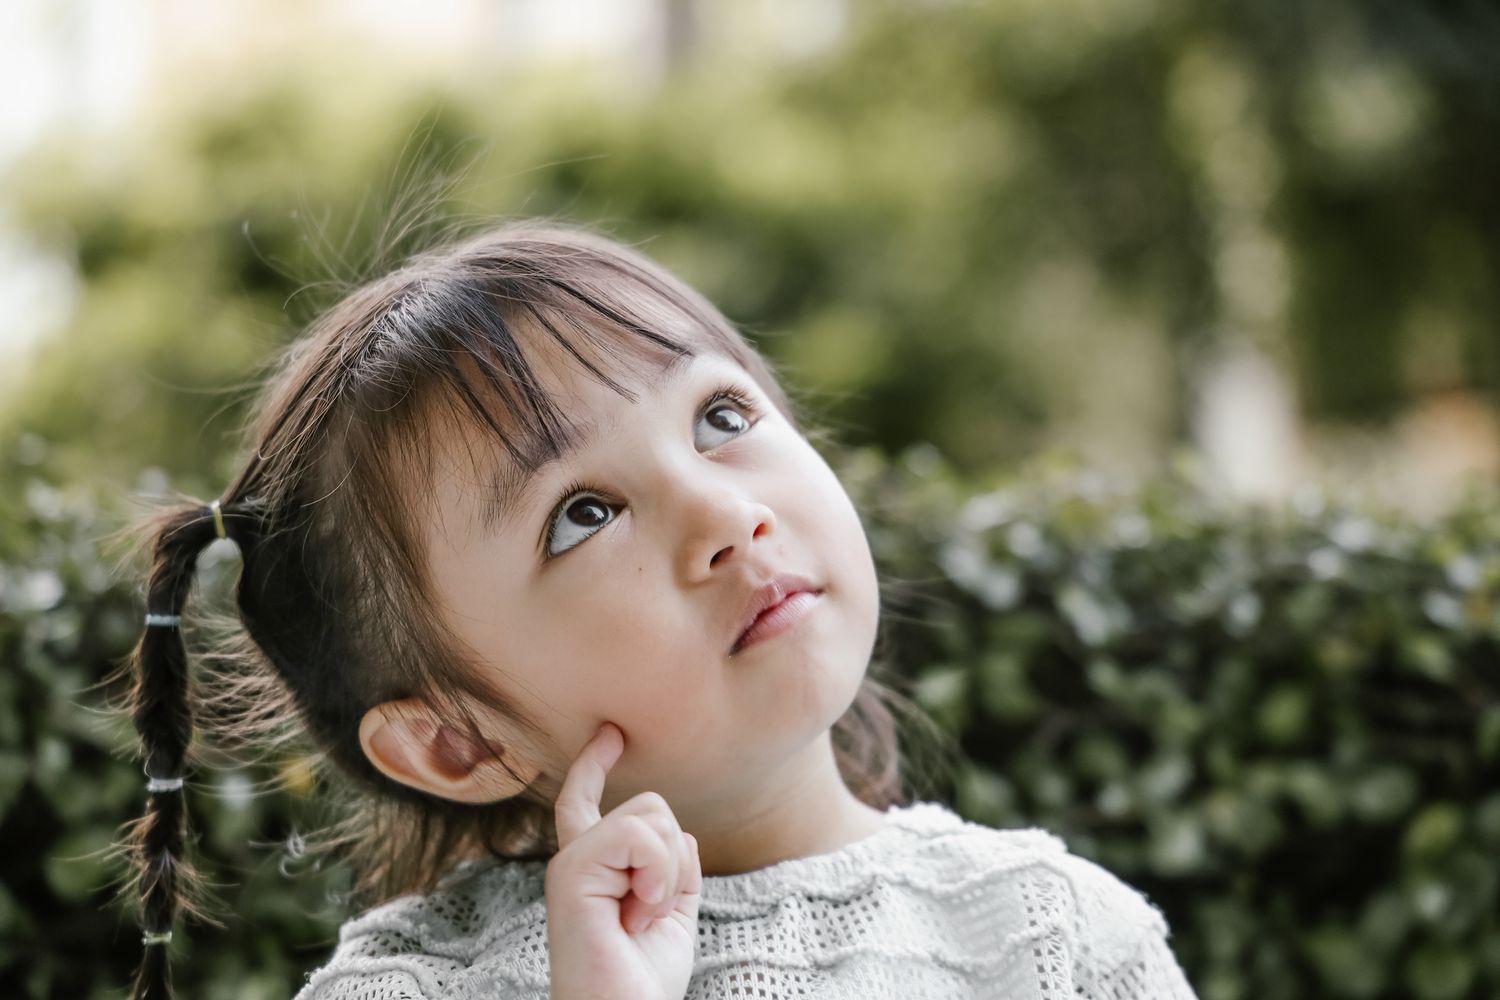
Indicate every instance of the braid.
{"type": "Point", "coordinates": [162, 713]}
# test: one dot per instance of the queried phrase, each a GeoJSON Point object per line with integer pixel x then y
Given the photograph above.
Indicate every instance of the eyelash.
{"type": "Point", "coordinates": [728, 391]}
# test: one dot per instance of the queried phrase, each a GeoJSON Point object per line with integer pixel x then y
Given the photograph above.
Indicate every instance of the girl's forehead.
{"type": "Point", "coordinates": [564, 395]}
{"type": "Point", "coordinates": [586, 396]}
{"type": "Point", "coordinates": [593, 410]}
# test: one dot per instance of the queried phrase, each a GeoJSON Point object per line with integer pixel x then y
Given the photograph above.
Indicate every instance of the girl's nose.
{"type": "Point", "coordinates": [717, 528]}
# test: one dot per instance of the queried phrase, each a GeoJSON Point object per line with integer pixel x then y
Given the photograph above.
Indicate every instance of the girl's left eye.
{"type": "Point", "coordinates": [580, 511]}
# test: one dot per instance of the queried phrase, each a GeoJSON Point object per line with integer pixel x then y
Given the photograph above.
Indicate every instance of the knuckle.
{"type": "Point", "coordinates": [664, 826]}
{"type": "Point", "coordinates": [637, 827]}
{"type": "Point", "coordinates": [653, 800]}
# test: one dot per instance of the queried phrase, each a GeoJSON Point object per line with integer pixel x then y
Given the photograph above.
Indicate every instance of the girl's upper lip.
{"type": "Point", "coordinates": [779, 588]}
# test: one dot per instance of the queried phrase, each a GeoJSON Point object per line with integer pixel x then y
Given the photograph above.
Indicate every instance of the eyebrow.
{"type": "Point", "coordinates": [510, 487]}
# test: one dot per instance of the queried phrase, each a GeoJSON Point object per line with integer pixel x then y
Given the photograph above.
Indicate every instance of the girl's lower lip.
{"type": "Point", "coordinates": [780, 617]}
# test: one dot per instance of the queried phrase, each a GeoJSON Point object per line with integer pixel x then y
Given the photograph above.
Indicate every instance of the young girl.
{"type": "Point", "coordinates": [536, 552]}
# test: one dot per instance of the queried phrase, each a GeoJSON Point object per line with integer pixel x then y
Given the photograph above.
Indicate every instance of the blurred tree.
{"type": "Point", "coordinates": [995, 227]}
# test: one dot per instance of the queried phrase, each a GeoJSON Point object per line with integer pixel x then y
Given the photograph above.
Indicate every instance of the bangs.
{"type": "Point", "coordinates": [532, 437]}
{"type": "Point", "coordinates": [487, 383]}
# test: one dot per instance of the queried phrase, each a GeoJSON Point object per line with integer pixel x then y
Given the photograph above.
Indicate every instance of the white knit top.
{"type": "Point", "coordinates": [930, 905]}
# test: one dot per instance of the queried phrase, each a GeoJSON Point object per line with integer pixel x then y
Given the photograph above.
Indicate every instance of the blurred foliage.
{"type": "Point", "coordinates": [66, 783]}
{"type": "Point", "coordinates": [1283, 726]}
{"type": "Point", "coordinates": [993, 226]}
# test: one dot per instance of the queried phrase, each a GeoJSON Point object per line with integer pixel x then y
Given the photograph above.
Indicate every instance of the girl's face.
{"type": "Point", "coordinates": [616, 587]}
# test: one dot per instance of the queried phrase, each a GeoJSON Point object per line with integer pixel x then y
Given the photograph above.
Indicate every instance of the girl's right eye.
{"type": "Point", "coordinates": [593, 513]}
{"type": "Point", "coordinates": [585, 502]}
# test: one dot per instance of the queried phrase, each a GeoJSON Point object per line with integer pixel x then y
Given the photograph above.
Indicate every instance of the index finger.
{"type": "Point", "coordinates": [578, 800]}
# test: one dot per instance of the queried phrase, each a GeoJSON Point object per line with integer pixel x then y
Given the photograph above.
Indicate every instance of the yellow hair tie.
{"type": "Point", "coordinates": [218, 519]}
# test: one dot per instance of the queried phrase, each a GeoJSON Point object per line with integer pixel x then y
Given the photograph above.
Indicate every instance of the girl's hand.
{"type": "Point", "coordinates": [622, 891]}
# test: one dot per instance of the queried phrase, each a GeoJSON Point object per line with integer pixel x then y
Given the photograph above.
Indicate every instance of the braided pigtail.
{"type": "Point", "coordinates": [160, 707]}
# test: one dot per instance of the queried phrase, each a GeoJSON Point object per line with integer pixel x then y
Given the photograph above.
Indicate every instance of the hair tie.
{"type": "Point", "coordinates": [156, 937]}
{"type": "Point", "coordinates": [154, 784]}
{"type": "Point", "coordinates": [172, 621]}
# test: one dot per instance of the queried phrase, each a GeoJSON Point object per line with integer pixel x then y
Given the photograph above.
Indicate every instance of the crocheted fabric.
{"type": "Point", "coordinates": [931, 905]}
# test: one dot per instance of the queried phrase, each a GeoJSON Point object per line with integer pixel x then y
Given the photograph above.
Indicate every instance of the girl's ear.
{"type": "Point", "coordinates": [409, 744]}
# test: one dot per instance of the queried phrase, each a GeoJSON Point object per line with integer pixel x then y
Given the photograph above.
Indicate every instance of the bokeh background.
{"type": "Point", "coordinates": [1160, 338]}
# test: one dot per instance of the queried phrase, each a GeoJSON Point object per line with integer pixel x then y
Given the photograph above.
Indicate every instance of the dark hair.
{"type": "Point", "coordinates": [334, 620]}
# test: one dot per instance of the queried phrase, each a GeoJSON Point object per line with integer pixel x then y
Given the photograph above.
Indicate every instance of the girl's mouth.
{"type": "Point", "coordinates": [779, 618]}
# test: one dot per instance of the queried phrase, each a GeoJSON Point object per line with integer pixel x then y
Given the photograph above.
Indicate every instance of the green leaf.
{"type": "Point", "coordinates": [1087, 614]}
{"type": "Point", "coordinates": [1487, 821]}
{"type": "Point", "coordinates": [1439, 971]}
{"type": "Point", "coordinates": [1434, 831]}
{"type": "Point", "coordinates": [1487, 734]}
{"type": "Point", "coordinates": [1427, 654]}
{"type": "Point", "coordinates": [14, 770]}
{"type": "Point", "coordinates": [1099, 756]}
{"type": "Point", "coordinates": [74, 865]}
{"type": "Point", "coordinates": [1004, 690]}
{"type": "Point", "coordinates": [1177, 844]}
{"type": "Point", "coordinates": [1317, 793]}
{"type": "Point", "coordinates": [1163, 779]}
{"type": "Point", "coordinates": [1285, 714]}
{"type": "Point", "coordinates": [942, 688]}
{"type": "Point", "coordinates": [1386, 919]}
{"type": "Point", "coordinates": [944, 692]}
{"type": "Point", "coordinates": [1344, 961]}
{"type": "Point", "coordinates": [984, 795]}
{"type": "Point", "coordinates": [1383, 793]}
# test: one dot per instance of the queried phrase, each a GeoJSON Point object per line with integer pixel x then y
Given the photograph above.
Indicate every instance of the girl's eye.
{"type": "Point", "coordinates": [581, 510]}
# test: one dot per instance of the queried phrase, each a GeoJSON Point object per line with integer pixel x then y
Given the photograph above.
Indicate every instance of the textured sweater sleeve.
{"type": "Point", "coordinates": [1120, 949]}
{"type": "Point", "coordinates": [378, 962]}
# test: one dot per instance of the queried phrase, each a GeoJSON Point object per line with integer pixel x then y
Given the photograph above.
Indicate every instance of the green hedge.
{"type": "Point", "coordinates": [1283, 726]}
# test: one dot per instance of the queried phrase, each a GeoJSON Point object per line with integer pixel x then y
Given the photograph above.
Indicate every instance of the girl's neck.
{"type": "Point", "coordinates": [816, 815]}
